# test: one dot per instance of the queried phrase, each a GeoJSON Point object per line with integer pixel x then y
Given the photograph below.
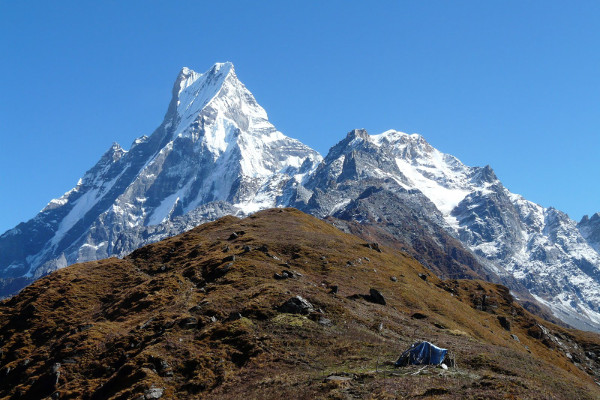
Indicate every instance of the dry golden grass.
{"type": "Point", "coordinates": [184, 316]}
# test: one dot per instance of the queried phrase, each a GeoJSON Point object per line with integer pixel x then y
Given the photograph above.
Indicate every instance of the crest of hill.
{"type": "Point", "coordinates": [199, 316]}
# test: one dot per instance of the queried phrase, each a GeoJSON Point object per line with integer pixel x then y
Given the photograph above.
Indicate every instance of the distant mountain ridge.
{"type": "Point", "coordinates": [216, 153]}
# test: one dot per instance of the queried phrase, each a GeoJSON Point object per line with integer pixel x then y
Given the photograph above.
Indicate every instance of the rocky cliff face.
{"type": "Point", "coordinates": [216, 154]}
{"type": "Point", "coordinates": [590, 230]}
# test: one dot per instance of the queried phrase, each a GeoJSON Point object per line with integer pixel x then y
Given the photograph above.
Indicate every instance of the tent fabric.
{"type": "Point", "coordinates": [422, 353]}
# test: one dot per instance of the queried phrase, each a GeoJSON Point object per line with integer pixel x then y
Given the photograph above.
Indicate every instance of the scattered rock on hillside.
{"type": "Point", "coordinates": [537, 331]}
{"type": "Point", "coordinates": [219, 272]}
{"type": "Point", "coordinates": [162, 366]}
{"type": "Point", "coordinates": [505, 323]}
{"type": "Point", "coordinates": [188, 323]}
{"type": "Point", "coordinates": [234, 316]}
{"type": "Point", "coordinates": [373, 246]}
{"type": "Point", "coordinates": [297, 305]}
{"type": "Point", "coordinates": [285, 274]}
{"type": "Point", "coordinates": [338, 379]}
{"type": "Point", "coordinates": [153, 393]}
{"type": "Point", "coordinates": [376, 297]}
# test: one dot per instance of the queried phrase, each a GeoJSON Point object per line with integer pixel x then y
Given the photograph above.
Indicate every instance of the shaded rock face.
{"type": "Point", "coordinates": [486, 217]}
{"type": "Point", "coordinates": [504, 322]}
{"type": "Point", "coordinates": [590, 230]}
{"type": "Point", "coordinates": [376, 297]}
{"type": "Point", "coordinates": [412, 221]}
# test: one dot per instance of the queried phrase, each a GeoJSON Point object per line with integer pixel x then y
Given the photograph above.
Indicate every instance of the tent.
{"type": "Point", "coordinates": [422, 353]}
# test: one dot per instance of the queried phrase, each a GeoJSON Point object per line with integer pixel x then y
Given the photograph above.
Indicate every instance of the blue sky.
{"type": "Point", "coordinates": [513, 84]}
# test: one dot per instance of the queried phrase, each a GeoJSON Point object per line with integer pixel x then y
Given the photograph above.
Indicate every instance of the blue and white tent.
{"type": "Point", "coordinates": [422, 353]}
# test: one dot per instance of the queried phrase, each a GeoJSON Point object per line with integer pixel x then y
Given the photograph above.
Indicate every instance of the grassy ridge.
{"type": "Point", "coordinates": [196, 316]}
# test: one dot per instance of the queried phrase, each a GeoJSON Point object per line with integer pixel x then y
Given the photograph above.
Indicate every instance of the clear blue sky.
{"type": "Point", "coordinates": [513, 84]}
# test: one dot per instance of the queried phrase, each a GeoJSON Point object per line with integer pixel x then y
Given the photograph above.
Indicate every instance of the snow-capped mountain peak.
{"type": "Point", "coordinates": [214, 78]}
{"type": "Point", "coordinates": [215, 145]}
{"type": "Point", "coordinates": [216, 153]}
{"type": "Point", "coordinates": [441, 177]}
{"type": "Point", "coordinates": [215, 109]}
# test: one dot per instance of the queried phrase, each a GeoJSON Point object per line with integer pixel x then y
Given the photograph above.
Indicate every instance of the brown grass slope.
{"type": "Point", "coordinates": [444, 256]}
{"type": "Point", "coordinates": [195, 316]}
